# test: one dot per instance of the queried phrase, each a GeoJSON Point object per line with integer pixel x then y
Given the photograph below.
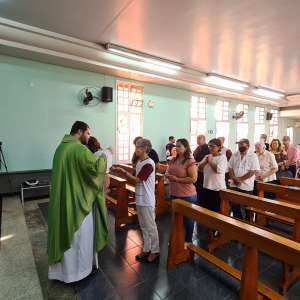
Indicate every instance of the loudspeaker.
{"type": "Point", "coordinates": [269, 116]}
{"type": "Point", "coordinates": [107, 94]}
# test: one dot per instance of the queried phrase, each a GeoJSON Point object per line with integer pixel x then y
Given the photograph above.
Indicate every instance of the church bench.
{"type": "Point", "coordinates": [255, 239]}
{"type": "Point", "coordinates": [290, 182]}
{"type": "Point", "coordinates": [273, 209]}
{"type": "Point", "coordinates": [284, 194]}
{"type": "Point", "coordinates": [118, 199]}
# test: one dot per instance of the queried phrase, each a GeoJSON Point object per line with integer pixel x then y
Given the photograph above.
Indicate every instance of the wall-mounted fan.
{"type": "Point", "coordinates": [89, 96]}
{"type": "Point", "coordinates": [238, 115]}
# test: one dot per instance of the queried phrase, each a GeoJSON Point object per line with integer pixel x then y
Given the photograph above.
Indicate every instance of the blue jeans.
{"type": "Point", "coordinates": [188, 223]}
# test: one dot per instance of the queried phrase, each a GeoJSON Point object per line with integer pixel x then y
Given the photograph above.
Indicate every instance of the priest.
{"type": "Point", "coordinates": [77, 217]}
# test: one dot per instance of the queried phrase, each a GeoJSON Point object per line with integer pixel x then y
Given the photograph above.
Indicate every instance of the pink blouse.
{"type": "Point", "coordinates": [292, 154]}
{"type": "Point", "coordinates": [180, 170]}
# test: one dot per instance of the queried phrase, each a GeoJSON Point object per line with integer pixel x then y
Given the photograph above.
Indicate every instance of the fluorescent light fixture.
{"type": "Point", "coordinates": [143, 57]}
{"type": "Point", "coordinates": [158, 68]}
{"type": "Point", "coordinates": [226, 82]}
{"type": "Point", "coordinates": [265, 92]}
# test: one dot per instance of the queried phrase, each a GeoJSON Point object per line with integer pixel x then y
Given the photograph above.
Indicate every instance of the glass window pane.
{"type": "Point", "coordinates": [222, 129]}
{"type": "Point", "coordinates": [198, 118]}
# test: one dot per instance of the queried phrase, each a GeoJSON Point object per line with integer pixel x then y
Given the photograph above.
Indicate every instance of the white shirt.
{"type": "Point", "coordinates": [109, 158]}
{"type": "Point", "coordinates": [243, 166]}
{"type": "Point", "coordinates": [267, 162]}
{"type": "Point", "coordinates": [145, 189]}
{"type": "Point", "coordinates": [212, 180]}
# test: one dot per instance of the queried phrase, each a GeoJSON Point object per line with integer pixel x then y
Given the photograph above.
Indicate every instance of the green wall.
{"type": "Point", "coordinates": [38, 105]}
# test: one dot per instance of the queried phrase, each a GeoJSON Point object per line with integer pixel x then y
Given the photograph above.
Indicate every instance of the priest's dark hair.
{"type": "Point", "coordinates": [78, 125]}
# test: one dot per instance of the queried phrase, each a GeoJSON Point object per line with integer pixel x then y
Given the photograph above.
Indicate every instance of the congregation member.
{"type": "Point", "coordinates": [145, 199]}
{"type": "Point", "coordinates": [169, 147]}
{"type": "Point", "coordinates": [267, 163]}
{"type": "Point", "coordinates": [292, 155]}
{"type": "Point", "coordinates": [95, 148]}
{"type": "Point", "coordinates": [152, 154]}
{"type": "Point", "coordinates": [200, 152]}
{"type": "Point", "coordinates": [281, 158]}
{"type": "Point", "coordinates": [263, 140]}
{"type": "Point", "coordinates": [75, 232]}
{"type": "Point", "coordinates": [225, 151]}
{"type": "Point", "coordinates": [182, 174]}
{"type": "Point", "coordinates": [214, 166]}
{"type": "Point", "coordinates": [242, 165]}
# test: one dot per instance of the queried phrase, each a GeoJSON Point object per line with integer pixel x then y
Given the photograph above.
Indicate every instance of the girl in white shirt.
{"type": "Point", "coordinates": [214, 167]}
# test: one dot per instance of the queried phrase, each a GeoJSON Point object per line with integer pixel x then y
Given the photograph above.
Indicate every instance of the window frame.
{"type": "Point", "coordinates": [259, 122]}
{"type": "Point", "coordinates": [200, 102]}
{"type": "Point", "coordinates": [130, 111]}
{"type": "Point", "coordinates": [244, 121]}
{"type": "Point", "coordinates": [222, 118]}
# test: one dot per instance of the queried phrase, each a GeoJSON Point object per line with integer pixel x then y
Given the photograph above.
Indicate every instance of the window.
{"type": "Point", "coordinates": [222, 118]}
{"type": "Point", "coordinates": [242, 123]}
{"type": "Point", "coordinates": [198, 118]}
{"type": "Point", "coordinates": [129, 117]}
{"type": "Point", "coordinates": [274, 124]}
{"type": "Point", "coordinates": [259, 127]}
{"type": "Point", "coordinates": [290, 133]}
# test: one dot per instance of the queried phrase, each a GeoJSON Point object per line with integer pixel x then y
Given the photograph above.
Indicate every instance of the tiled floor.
{"type": "Point", "coordinates": [18, 275]}
{"type": "Point", "coordinates": [121, 277]}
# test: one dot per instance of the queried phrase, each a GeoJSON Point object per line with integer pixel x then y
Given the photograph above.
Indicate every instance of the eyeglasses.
{"type": "Point", "coordinates": [212, 146]}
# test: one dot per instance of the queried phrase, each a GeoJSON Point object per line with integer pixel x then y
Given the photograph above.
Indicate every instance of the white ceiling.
{"type": "Point", "coordinates": [253, 40]}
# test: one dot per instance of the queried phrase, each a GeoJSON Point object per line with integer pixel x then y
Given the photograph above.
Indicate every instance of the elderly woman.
{"type": "Point", "coordinates": [267, 163]}
{"type": "Point", "coordinates": [145, 199]}
{"type": "Point", "coordinates": [152, 154]}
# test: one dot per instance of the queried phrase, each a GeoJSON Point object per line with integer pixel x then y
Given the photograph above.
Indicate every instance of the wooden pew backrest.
{"type": "Point", "coordinates": [290, 181]}
{"type": "Point", "coordinates": [283, 193]}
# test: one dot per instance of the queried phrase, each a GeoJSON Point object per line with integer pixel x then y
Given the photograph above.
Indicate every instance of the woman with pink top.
{"type": "Point", "coordinates": [292, 155]}
{"type": "Point", "coordinates": [182, 174]}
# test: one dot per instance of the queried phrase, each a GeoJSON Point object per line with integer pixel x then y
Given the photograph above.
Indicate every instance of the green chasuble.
{"type": "Point", "coordinates": [76, 183]}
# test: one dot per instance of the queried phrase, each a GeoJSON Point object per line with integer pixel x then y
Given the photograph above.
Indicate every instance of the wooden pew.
{"type": "Point", "coordinates": [283, 193]}
{"type": "Point", "coordinates": [290, 182]}
{"type": "Point", "coordinates": [287, 211]}
{"type": "Point", "coordinates": [255, 239]}
{"type": "Point", "coordinates": [290, 195]}
{"type": "Point", "coordinates": [118, 199]}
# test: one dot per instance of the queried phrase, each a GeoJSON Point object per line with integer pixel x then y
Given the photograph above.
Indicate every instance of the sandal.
{"type": "Point", "coordinates": [153, 257]}
{"type": "Point", "coordinates": [142, 255]}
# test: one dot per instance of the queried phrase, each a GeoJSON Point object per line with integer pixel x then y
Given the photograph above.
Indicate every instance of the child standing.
{"type": "Point", "coordinates": [145, 199]}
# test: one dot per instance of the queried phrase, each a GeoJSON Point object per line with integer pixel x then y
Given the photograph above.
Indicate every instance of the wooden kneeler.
{"type": "Point", "coordinates": [255, 239]}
